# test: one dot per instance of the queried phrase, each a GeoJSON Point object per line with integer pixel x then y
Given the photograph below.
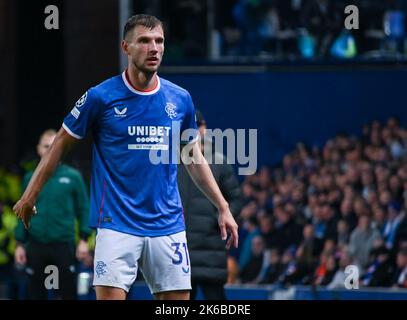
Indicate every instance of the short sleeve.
{"type": "Point", "coordinates": [83, 114]}
{"type": "Point", "coordinates": [189, 130]}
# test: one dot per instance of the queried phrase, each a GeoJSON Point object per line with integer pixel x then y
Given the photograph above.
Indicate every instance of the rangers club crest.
{"type": "Point", "coordinates": [170, 109]}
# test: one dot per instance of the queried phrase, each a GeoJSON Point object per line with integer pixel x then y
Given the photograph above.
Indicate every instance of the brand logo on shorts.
{"type": "Point", "coordinates": [185, 270]}
{"type": "Point", "coordinates": [100, 268]}
{"type": "Point", "coordinates": [170, 109]}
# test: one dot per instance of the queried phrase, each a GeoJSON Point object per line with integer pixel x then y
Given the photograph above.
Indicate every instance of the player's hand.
{"type": "Point", "coordinates": [82, 250]}
{"type": "Point", "coordinates": [228, 225]}
{"type": "Point", "coordinates": [25, 210]}
{"type": "Point", "coordinates": [20, 256]}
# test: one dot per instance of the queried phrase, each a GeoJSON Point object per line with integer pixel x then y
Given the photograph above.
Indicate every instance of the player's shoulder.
{"type": "Point", "coordinates": [103, 90]}
{"type": "Point", "coordinates": [107, 85]}
{"type": "Point", "coordinates": [173, 88]}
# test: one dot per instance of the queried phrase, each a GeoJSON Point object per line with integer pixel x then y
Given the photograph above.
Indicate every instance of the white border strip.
{"type": "Point", "coordinates": [70, 132]}
{"type": "Point", "coordinates": [143, 93]}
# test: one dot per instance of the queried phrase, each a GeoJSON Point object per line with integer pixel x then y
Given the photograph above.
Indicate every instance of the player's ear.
{"type": "Point", "coordinates": [125, 47]}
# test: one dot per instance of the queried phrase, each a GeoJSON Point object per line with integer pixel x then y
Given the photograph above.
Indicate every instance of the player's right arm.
{"type": "Point", "coordinates": [24, 208]}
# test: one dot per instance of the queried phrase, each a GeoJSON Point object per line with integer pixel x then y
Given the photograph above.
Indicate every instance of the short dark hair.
{"type": "Point", "coordinates": [145, 20]}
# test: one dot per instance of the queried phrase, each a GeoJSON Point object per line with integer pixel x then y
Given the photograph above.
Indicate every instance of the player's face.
{"type": "Point", "coordinates": [146, 48]}
{"type": "Point", "coordinates": [44, 144]}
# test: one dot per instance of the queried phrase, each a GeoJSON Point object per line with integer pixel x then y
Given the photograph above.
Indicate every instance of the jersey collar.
{"type": "Point", "coordinates": [140, 92]}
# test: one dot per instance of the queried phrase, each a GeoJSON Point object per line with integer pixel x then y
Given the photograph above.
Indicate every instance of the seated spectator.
{"type": "Point", "coordinates": [292, 273]}
{"type": "Point", "coordinates": [361, 241]}
{"type": "Point", "coordinates": [338, 281]}
{"type": "Point", "coordinates": [319, 223]}
{"type": "Point", "coordinates": [348, 215]}
{"type": "Point", "coordinates": [274, 268]}
{"type": "Point", "coordinates": [392, 224]}
{"type": "Point", "coordinates": [248, 231]}
{"type": "Point", "coordinates": [266, 230]}
{"type": "Point", "coordinates": [330, 248]}
{"type": "Point", "coordinates": [380, 273]}
{"type": "Point", "coordinates": [342, 233]}
{"type": "Point", "coordinates": [326, 270]}
{"type": "Point", "coordinates": [379, 218]}
{"type": "Point", "coordinates": [401, 233]}
{"type": "Point", "coordinates": [311, 246]}
{"type": "Point", "coordinates": [250, 272]}
{"type": "Point", "coordinates": [287, 231]}
{"type": "Point", "coordinates": [400, 279]}
{"type": "Point", "coordinates": [329, 217]}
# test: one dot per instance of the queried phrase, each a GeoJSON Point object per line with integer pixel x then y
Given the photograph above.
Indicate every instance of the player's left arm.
{"type": "Point", "coordinates": [200, 172]}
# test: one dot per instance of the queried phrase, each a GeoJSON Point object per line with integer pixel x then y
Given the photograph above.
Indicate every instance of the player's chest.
{"type": "Point", "coordinates": [153, 116]}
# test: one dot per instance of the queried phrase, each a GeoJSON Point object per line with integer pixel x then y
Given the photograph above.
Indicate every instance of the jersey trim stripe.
{"type": "Point", "coordinates": [126, 73]}
{"type": "Point", "coordinates": [143, 93]}
{"type": "Point", "coordinates": [70, 132]}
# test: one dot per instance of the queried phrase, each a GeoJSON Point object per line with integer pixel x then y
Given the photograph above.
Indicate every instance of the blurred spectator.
{"type": "Point", "coordinates": [249, 230]}
{"type": "Point", "coordinates": [380, 272]}
{"type": "Point", "coordinates": [51, 237]}
{"type": "Point", "coordinates": [287, 231]}
{"type": "Point", "coordinates": [325, 271]}
{"type": "Point", "coordinates": [274, 268]}
{"type": "Point", "coordinates": [342, 233]}
{"type": "Point", "coordinates": [392, 224]}
{"type": "Point", "coordinates": [251, 271]}
{"type": "Point", "coordinates": [293, 271]}
{"type": "Point", "coordinates": [338, 280]}
{"type": "Point", "coordinates": [361, 241]}
{"type": "Point", "coordinates": [348, 214]}
{"type": "Point", "coordinates": [267, 231]}
{"type": "Point", "coordinates": [321, 20]}
{"type": "Point", "coordinates": [309, 250]}
{"type": "Point", "coordinates": [400, 279]}
{"type": "Point", "coordinates": [208, 258]}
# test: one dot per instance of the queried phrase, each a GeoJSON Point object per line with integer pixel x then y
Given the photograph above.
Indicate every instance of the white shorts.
{"type": "Point", "coordinates": [164, 261]}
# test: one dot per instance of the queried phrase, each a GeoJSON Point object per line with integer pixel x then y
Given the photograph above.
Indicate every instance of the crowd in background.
{"type": "Point", "coordinates": [314, 29]}
{"type": "Point", "coordinates": [280, 29]}
{"type": "Point", "coordinates": [304, 222]}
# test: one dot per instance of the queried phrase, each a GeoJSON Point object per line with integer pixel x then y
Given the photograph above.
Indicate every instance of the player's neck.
{"type": "Point", "coordinates": [140, 80]}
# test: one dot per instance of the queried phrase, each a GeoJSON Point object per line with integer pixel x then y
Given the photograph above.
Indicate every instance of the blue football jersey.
{"type": "Point", "coordinates": [134, 171]}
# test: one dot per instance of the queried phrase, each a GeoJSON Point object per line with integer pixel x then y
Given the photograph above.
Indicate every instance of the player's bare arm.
{"type": "Point", "coordinates": [202, 176]}
{"type": "Point", "coordinates": [25, 208]}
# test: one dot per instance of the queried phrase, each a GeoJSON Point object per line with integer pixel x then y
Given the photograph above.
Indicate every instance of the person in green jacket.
{"type": "Point", "coordinates": [50, 241]}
